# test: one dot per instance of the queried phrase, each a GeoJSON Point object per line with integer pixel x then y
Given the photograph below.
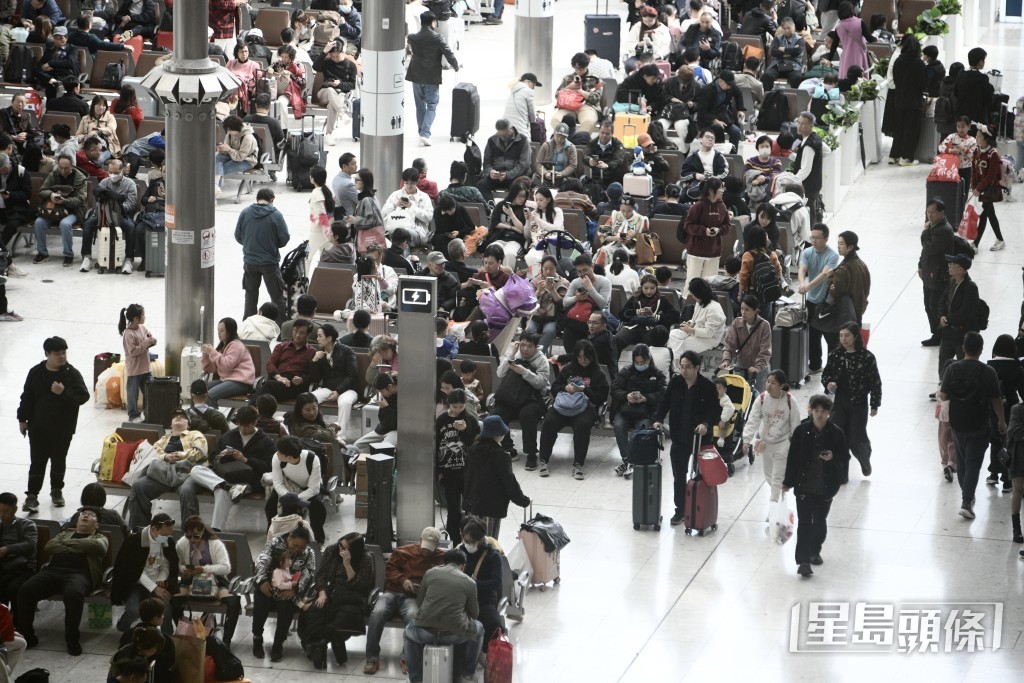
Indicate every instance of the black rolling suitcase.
{"type": "Point", "coordinates": [356, 122]}
{"type": "Point", "coordinates": [601, 32]}
{"type": "Point", "coordinates": [305, 150]}
{"type": "Point", "coordinates": [647, 496]}
{"type": "Point", "coordinates": [789, 352]}
{"type": "Point", "coordinates": [163, 396]}
{"type": "Point", "coordinates": [465, 111]}
{"type": "Point", "coordinates": [953, 195]}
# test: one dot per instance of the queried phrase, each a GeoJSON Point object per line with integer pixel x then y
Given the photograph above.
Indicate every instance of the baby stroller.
{"type": "Point", "coordinates": [565, 248]}
{"type": "Point", "coordinates": [740, 393]}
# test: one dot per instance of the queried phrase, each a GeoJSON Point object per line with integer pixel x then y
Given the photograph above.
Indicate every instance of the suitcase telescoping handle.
{"type": "Point", "coordinates": [202, 324]}
{"type": "Point", "coordinates": [694, 468]}
{"type": "Point", "coordinates": [597, 6]}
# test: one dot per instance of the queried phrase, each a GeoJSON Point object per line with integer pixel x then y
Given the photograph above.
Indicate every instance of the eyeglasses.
{"type": "Point", "coordinates": [194, 537]}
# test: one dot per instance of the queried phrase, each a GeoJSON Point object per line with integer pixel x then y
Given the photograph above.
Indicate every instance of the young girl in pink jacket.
{"type": "Point", "coordinates": [137, 342]}
{"type": "Point", "coordinates": [230, 362]}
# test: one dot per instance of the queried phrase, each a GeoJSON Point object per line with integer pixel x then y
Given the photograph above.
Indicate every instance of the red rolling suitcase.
{"type": "Point", "coordinates": [700, 508]}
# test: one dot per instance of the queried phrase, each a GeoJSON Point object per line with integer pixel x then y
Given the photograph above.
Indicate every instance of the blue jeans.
{"type": "Point", "coordinates": [66, 226]}
{"type": "Point", "coordinates": [426, 96]}
{"type": "Point", "coordinates": [225, 164]}
{"type": "Point", "coordinates": [499, 7]}
{"type": "Point", "coordinates": [546, 330]}
{"type": "Point", "coordinates": [136, 383]}
{"type": "Point", "coordinates": [387, 607]}
{"type": "Point", "coordinates": [970, 456]}
{"type": "Point", "coordinates": [223, 389]}
{"type": "Point", "coordinates": [467, 649]}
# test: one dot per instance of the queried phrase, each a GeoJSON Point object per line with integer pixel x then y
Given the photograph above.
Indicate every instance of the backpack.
{"type": "Point", "coordinates": [326, 28]}
{"type": "Point", "coordinates": [259, 150]}
{"type": "Point", "coordinates": [226, 666]}
{"type": "Point", "coordinates": [764, 281]}
{"type": "Point", "coordinates": [293, 267]}
{"type": "Point", "coordinates": [962, 246]}
{"type": "Point", "coordinates": [320, 451]}
{"type": "Point", "coordinates": [774, 111]}
{"type": "Point", "coordinates": [981, 315]}
{"type": "Point", "coordinates": [113, 75]}
{"type": "Point", "coordinates": [473, 158]}
{"type": "Point", "coordinates": [18, 69]}
{"type": "Point", "coordinates": [34, 676]}
{"type": "Point", "coordinates": [731, 56]}
{"type": "Point", "coordinates": [945, 112]}
{"type": "Point", "coordinates": [258, 49]}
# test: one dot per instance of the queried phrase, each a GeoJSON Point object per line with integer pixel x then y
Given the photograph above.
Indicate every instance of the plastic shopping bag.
{"type": "Point", "coordinates": [518, 560]}
{"type": "Point", "coordinates": [781, 521]}
{"type": "Point", "coordinates": [969, 223]}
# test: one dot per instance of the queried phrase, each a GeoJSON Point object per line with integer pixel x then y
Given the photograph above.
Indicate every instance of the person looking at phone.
{"type": "Point", "coordinates": [201, 555]}
{"type": "Point", "coordinates": [508, 229]}
{"type": "Point", "coordinates": [403, 573]}
{"type": "Point", "coordinates": [506, 157]}
{"type": "Point", "coordinates": [410, 208]}
{"type": "Point", "coordinates": [605, 156]}
{"type": "Point", "coordinates": [817, 460]}
{"type": "Point", "coordinates": [705, 224]}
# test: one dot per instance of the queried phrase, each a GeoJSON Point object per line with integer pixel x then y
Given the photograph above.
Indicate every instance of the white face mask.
{"type": "Point", "coordinates": [115, 177]}
{"type": "Point", "coordinates": [763, 153]}
{"type": "Point", "coordinates": [345, 9]}
{"type": "Point", "coordinates": [471, 547]}
{"type": "Point", "coordinates": [160, 540]}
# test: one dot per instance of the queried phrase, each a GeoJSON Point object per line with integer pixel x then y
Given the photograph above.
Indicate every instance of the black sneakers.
{"type": "Point", "coordinates": [805, 569]}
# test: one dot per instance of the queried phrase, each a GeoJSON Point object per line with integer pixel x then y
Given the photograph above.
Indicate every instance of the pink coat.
{"type": "Point", "coordinates": [233, 364]}
{"type": "Point", "coordinates": [854, 44]}
{"type": "Point", "coordinates": [136, 351]}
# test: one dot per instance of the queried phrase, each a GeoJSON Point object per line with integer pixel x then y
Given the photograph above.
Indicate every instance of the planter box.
{"type": "Point", "coordinates": [871, 120]}
{"type": "Point", "coordinates": [831, 186]}
{"type": "Point", "coordinates": [850, 164]}
{"type": "Point", "coordinates": [954, 40]}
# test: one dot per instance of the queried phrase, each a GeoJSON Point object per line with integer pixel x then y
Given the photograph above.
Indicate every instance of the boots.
{"type": "Point", "coordinates": [318, 653]}
{"type": "Point", "coordinates": [1017, 536]}
{"type": "Point", "coordinates": [340, 651]}
{"type": "Point", "coordinates": [234, 604]}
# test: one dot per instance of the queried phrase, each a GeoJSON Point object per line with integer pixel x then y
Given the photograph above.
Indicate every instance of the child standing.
{"type": "Point", "coordinates": [728, 409]}
{"type": "Point", "coordinates": [455, 431]}
{"type": "Point", "coordinates": [321, 214]}
{"type": "Point", "coordinates": [137, 342]}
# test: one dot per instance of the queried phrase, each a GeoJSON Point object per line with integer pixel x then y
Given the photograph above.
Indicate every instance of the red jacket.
{"type": "Point", "coordinates": [428, 186]}
{"type": "Point", "coordinates": [701, 216]}
{"type": "Point", "coordinates": [409, 562]}
{"type": "Point", "coordinates": [986, 171]}
{"type": "Point", "coordinates": [6, 624]}
{"type": "Point", "coordinates": [95, 170]}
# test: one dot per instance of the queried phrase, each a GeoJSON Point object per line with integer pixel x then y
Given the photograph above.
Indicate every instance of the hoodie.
{"type": "Point", "coordinates": [262, 232]}
{"type": "Point", "coordinates": [259, 328]}
{"type": "Point", "coordinates": [243, 145]}
{"type": "Point", "coordinates": [972, 95]}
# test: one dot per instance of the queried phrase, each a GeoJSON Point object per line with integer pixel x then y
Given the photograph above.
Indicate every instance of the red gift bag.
{"type": "Point", "coordinates": [499, 660]}
{"type": "Point", "coordinates": [945, 169]}
{"type": "Point", "coordinates": [969, 223]}
{"type": "Point", "coordinates": [123, 458]}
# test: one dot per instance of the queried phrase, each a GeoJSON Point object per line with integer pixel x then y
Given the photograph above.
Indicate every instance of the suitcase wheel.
{"type": "Point", "coordinates": [636, 527]}
{"type": "Point", "coordinates": [543, 588]}
{"type": "Point", "coordinates": [102, 271]}
{"type": "Point", "coordinates": [657, 527]}
{"type": "Point", "coordinates": [688, 531]}
{"type": "Point", "coordinates": [147, 274]}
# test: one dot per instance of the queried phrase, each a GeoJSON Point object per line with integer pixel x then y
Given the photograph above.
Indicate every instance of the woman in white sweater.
{"type": "Point", "coordinates": [204, 562]}
{"type": "Point", "coordinates": [296, 470]}
{"type": "Point", "coordinates": [773, 418]}
{"type": "Point", "coordinates": [705, 329]}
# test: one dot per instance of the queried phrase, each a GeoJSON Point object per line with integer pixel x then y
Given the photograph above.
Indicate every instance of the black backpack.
{"type": "Point", "coordinates": [226, 666]}
{"type": "Point", "coordinates": [473, 158]}
{"type": "Point", "coordinates": [34, 676]}
{"type": "Point", "coordinates": [981, 315]}
{"type": "Point", "coordinates": [320, 451]}
{"type": "Point", "coordinates": [20, 63]}
{"type": "Point", "coordinates": [113, 75]}
{"type": "Point", "coordinates": [293, 267]}
{"type": "Point", "coordinates": [731, 56]}
{"type": "Point", "coordinates": [774, 111]}
{"type": "Point", "coordinates": [764, 281]}
{"type": "Point", "coordinates": [945, 111]}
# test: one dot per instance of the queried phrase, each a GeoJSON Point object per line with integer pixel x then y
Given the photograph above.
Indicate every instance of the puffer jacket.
{"type": "Point", "coordinates": [520, 110]}
{"type": "Point", "coordinates": [651, 383]}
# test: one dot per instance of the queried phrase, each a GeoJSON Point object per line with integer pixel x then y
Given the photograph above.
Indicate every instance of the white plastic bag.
{"type": "Point", "coordinates": [781, 521]}
{"type": "Point", "coordinates": [144, 455]}
{"type": "Point", "coordinates": [518, 560]}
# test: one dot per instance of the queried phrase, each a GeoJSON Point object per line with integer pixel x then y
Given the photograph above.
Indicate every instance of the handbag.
{"type": "Point", "coordinates": [580, 311]}
{"type": "Point", "coordinates": [791, 315]}
{"type": "Point", "coordinates": [190, 658]}
{"type": "Point", "coordinates": [832, 315]}
{"type": "Point", "coordinates": [144, 455]}
{"type": "Point", "coordinates": [713, 469]}
{"type": "Point", "coordinates": [648, 248]}
{"type": "Point", "coordinates": [945, 169]}
{"type": "Point", "coordinates": [368, 236]}
{"type": "Point", "coordinates": [570, 100]}
{"type": "Point", "coordinates": [570, 404]}
{"type": "Point", "coordinates": [107, 456]}
{"type": "Point", "coordinates": [234, 471]}
{"type": "Point", "coordinates": [499, 659]}
{"type": "Point", "coordinates": [53, 212]}
{"type": "Point", "coordinates": [123, 454]}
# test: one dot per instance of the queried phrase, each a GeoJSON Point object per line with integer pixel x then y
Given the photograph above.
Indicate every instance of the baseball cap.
{"type": "Point", "coordinates": [962, 260]}
{"type": "Point", "coordinates": [436, 257]}
{"type": "Point", "coordinates": [60, 31]}
{"type": "Point", "coordinates": [531, 77]}
{"type": "Point", "coordinates": [199, 387]}
{"type": "Point", "coordinates": [430, 538]}
{"type": "Point", "coordinates": [161, 519]}
{"type": "Point", "coordinates": [562, 129]}
{"type": "Point", "coordinates": [179, 411]}
{"type": "Point", "coordinates": [644, 139]}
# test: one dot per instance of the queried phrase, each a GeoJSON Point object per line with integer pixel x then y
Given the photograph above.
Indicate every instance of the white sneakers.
{"type": "Point", "coordinates": [329, 139]}
{"type": "Point", "coordinates": [425, 141]}
{"type": "Point", "coordinates": [86, 264]}
{"type": "Point", "coordinates": [127, 269]}
{"type": "Point", "coordinates": [998, 246]}
{"type": "Point", "coordinates": [908, 162]}
{"type": "Point", "coordinates": [15, 271]}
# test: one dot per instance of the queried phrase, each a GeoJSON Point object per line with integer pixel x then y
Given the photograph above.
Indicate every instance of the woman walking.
{"type": "Point", "coordinates": [774, 416]}
{"type": "Point", "coordinates": [851, 375]}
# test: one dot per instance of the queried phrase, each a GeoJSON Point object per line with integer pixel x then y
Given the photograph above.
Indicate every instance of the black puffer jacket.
{"type": "Point", "coordinates": [651, 383]}
{"type": "Point", "coordinates": [490, 483]}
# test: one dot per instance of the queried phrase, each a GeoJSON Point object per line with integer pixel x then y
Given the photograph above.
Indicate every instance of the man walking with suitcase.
{"type": "Point", "coordinates": [262, 232]}
{"type": "Point", "coordinates": [426, 48]}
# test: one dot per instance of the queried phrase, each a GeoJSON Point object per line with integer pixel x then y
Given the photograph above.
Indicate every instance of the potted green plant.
{"type": "Point", "coordinates": [864, 90]}
{"type": "Point", "coordinates": [840, 116]}
{"type": "Point", "coordinates": [930, 23]}
{"type": "Point", "coordinates": [829, 138]}
{"type": "Point", "coordinates": [949, 7]}
{"type": "Point", "coordinates": [881, 67]}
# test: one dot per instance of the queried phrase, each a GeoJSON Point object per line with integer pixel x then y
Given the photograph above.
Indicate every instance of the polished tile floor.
{"type": "Point", "coordinates": [646, 606]}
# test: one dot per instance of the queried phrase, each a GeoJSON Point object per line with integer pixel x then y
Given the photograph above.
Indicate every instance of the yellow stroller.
{"type": "Point", "coordinates": [740, 393]}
